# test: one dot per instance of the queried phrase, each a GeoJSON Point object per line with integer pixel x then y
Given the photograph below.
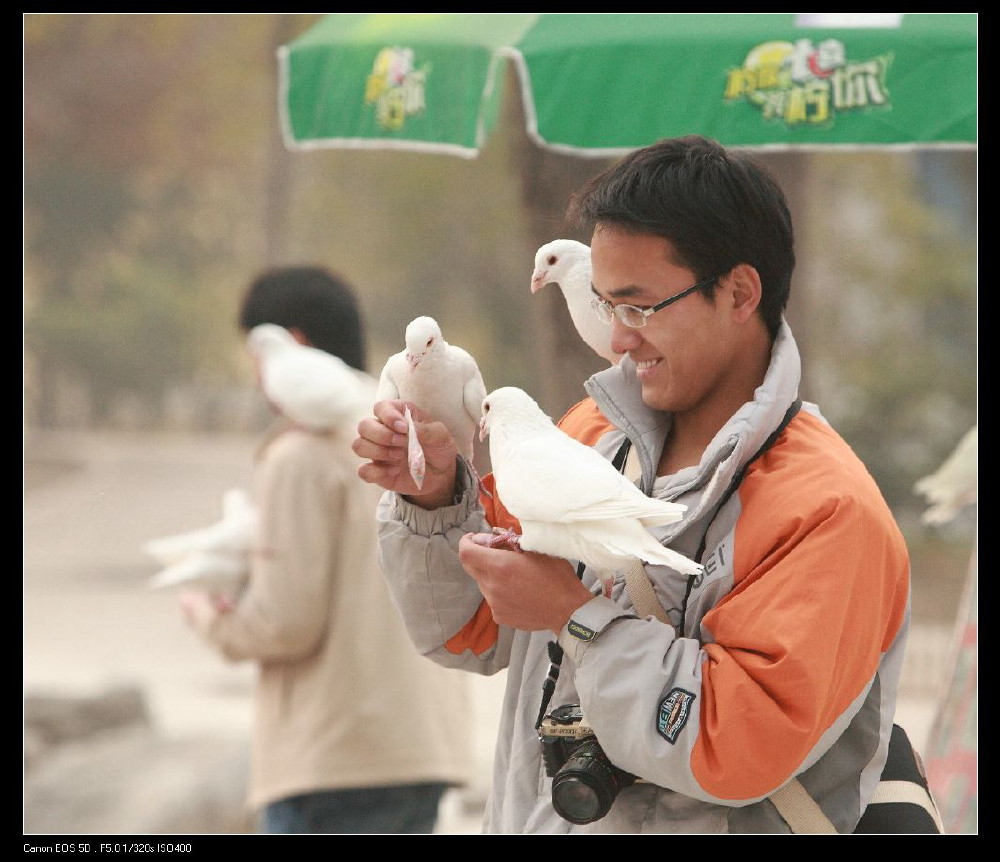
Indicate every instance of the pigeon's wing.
{"type": "Point", "coordinates": [388, 388]}
{"type": "Point", "coordinates": [552, 477]}
{"type": "Point", "coordinates": [474, 390]}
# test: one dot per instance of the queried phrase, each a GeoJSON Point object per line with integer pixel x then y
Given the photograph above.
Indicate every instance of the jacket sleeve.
{"type": "Point", "coordinates": [283, 613]}
{"type": "Point", "coordinates": [443, 610]}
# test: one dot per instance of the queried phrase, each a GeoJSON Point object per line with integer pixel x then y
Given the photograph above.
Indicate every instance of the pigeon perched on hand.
{"type": "Point", "coordinates": [309, 386]}
{"type": "Point", "coordinates": [570, 501]}
{"type": "Point", "coordinates": [566, 263]}
{"type": "Point", "coordinates": [439, 378]}
{"type": "Point", "coordinates": [955, 484]}
{"type": "Point", "coordinates": [214, 558]}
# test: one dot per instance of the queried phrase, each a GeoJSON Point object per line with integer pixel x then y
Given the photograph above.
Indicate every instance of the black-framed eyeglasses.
{"type": "Point", "coordinates": [634, 316]}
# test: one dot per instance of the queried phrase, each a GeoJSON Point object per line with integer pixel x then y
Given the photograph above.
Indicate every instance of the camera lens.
{"type": "Point", "coordinates": [576, 800]}
{"type": "Point", "coordinates": [587, 785]}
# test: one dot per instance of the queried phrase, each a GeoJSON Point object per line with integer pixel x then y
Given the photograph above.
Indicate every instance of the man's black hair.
{"type": "Point", "coordinates": [717, 207]}
{"type": "Point", "coordinates": [312, 299]}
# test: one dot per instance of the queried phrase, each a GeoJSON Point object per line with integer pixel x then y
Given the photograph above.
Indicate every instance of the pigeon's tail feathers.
{"type": "Point", "coordinates": [649, 550]}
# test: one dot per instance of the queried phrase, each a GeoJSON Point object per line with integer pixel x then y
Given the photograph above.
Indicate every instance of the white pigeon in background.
{"type": "Point", "coordinates": [570, 501]}
{"type": "Point", "coordinates": [218, 574]}
{"type": "Point", "coordinates": [309, 386]}
{"type": "Point", "coordinates": [215, 558]}
{"type": "Point", "coordinates": [955, 484]}
{"type": "Point", "coordinates": [566, 263]}
{"type": "Point", "coordinates": [440, 378]}
{"type": "Point", "coordinates": [232, 534]}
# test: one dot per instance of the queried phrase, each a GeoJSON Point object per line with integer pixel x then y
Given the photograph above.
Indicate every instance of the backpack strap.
{"type": "Point", "coordinates": [800, 811]}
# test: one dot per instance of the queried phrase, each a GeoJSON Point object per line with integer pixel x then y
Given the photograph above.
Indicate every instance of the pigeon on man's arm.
{"type": "Point", "coordinates": [570, 501]}
{"type": "Point", "coordinates": [309, 386]}
{"type": "Point", "coordinates": [566, 263]}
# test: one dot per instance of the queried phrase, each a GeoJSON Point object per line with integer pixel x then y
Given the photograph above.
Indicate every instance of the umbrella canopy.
{"type": "Point", "coordinates": [602, 84]}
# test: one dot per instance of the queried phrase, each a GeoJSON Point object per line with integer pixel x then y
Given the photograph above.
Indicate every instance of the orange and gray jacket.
{"type": "Point", "coordinates": [792, 642]}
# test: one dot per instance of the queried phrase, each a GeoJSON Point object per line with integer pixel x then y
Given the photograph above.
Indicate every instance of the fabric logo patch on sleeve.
{"type": "Point", "coordinates": [675, 709]}
{"type": "Point", "coordinates": [580, 632]}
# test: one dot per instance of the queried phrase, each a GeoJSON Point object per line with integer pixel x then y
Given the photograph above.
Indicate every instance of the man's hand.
{"type": "Point", "coordinates": [527, 591]}
{"type": "Point", "coordinates": [382, 442]}
{"type": "Point", "coordinates": [201, 609]}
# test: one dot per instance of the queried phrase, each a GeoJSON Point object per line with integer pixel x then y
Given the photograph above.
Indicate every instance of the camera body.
{"type": "Point", "coordinates": [585, 783]}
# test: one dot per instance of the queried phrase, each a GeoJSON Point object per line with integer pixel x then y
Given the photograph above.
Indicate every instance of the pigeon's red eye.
{"type": "Point", "coordinates": [430, 341]}
{"type": "Point", "coordinates": [552, 259]}
{"type": "Point", "coordinates": [486, 408]}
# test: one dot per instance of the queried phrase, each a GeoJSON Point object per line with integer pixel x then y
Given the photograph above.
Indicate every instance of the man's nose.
{"type": "Point", "coordinates": [623, 338]}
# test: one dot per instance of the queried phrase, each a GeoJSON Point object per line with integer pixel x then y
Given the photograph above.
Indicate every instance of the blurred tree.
{"type": "Point", "coordinates": [891, 284]}
{"type": "Point", "coordinates": [141, 134]}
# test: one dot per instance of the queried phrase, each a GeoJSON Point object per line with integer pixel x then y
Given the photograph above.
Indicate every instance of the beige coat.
{"type": "Point", "coordinates": [342, 699]}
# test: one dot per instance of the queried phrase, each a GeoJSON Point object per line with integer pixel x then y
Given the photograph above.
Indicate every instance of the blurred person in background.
{"type": "Point", "coordinates": [354, 731]}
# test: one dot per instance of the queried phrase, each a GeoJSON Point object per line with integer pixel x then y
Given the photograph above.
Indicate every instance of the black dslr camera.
{"type": "Point", "coordinates": [584, 782]}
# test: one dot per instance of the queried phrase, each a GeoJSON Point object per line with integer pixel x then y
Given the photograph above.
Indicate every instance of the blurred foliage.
{"type": "Point", "coordinates": [156, 185]}
{"type": "Point", "coordinates": [892, 307]}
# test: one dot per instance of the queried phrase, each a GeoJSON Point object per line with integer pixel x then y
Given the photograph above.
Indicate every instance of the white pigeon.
{"type": "Point", "coordinates": [232, 534]}
{"type": "Point", "coordinates": [313, 388]}
{"type": "Point", "coordinates": [440, 378]}
{"type": "Point", "coordinates": [566, 263]}
{"type": "Point", "coordinates": [214, 558]}
{"type": "Point", "coordinates": [219, 574]}
{"type": "Point", "coordinates": [570, 501]}
{"type": "Point", "coordinates": [955, 484]}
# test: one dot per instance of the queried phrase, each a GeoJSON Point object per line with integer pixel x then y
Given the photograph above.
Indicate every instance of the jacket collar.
{"type": "Point", "coordinates": [619, 397]}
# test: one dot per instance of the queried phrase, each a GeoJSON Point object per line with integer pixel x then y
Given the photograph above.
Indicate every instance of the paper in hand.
{"type": "Point", "coordinates": [414, 452]}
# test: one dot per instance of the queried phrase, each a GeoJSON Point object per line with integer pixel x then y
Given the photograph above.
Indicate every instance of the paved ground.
{"type": "Point", "coordinates": [89, 623]}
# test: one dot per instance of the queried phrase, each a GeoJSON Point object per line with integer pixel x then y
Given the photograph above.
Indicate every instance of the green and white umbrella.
{"type": "Point", "coordinates": [602, 84]}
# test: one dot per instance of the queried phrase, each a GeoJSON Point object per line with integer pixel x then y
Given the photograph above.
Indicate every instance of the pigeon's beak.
{"type": "Point", "coordinates": [413, 360]}
{"type": "Point", "coordinates": [483, 430]}
{"type": "Point", "coordinates": [538, 280]}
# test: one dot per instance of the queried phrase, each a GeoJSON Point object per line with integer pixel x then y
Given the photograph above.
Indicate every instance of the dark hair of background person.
{"type": "Point", "coordinates": [312, 299]}
{"type": "Point", "coordinates": [717, 207]}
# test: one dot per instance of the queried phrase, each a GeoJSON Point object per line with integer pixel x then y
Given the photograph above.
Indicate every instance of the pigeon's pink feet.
{"type": "Point", "coordinates": [505, 537]}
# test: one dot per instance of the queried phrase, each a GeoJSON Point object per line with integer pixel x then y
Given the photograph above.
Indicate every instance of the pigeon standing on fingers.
{"type": "Point", "coordinates": [566, 263]}
{"type": "Point", "coordinates": [441, 379]}
{"type": "Point", "coordinates": [570, 501]}
{"type": "Point", "coordinates": [309, 386]}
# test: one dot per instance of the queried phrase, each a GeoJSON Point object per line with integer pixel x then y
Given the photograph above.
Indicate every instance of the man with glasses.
{"type": "Point", "coordinates": [774, 671]}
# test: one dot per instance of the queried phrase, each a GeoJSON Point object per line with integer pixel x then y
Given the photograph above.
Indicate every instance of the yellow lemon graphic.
{"type": "Point", "coordinates": [767, 64]}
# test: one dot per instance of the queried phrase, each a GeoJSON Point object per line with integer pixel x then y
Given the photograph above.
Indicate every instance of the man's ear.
{"type": "Point", "coordinates": [746, 290]}
{"type": "Point", "coordinates": [299, 336]}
